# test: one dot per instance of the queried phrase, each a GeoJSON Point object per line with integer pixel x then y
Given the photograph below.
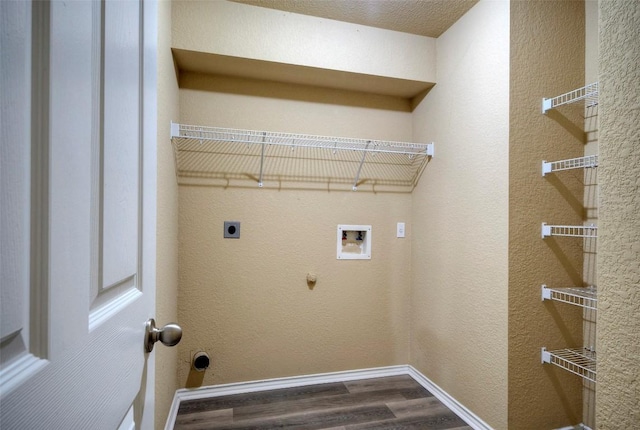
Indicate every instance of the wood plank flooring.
{"type": "Point", "coordinates": [395, 402]}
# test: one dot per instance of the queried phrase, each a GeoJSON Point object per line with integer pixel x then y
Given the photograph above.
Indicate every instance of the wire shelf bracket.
{"type": "Point", "coordinates": [585, 297]}
{"type": "Point", "coordinates": [579, 361]}
{"type": "Point", "coordinates": [186, 136]}
{"type": "Point", "coordinates": [588, 161]}
{"type": "Point", "coordinates": [585, 231]}
{"type": "Point", "coordinates": [588, 93]}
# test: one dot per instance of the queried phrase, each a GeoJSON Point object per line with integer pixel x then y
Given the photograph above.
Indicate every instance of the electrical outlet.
{"type": "Point", "coordinates": [232, 229]}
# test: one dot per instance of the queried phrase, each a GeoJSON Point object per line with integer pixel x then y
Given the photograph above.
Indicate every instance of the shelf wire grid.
{"type": "Point", "coordinates": [579, 361]}
{"type": "Point", "coordinates": [585, 297]}
{"type": "Point", "coordinates": [570, 230]}
{"type": "Point", "coordinates": [589, 93]}
{"type": "Point", "coordinates": [211, 153]}
{"type": "Point", "coordinates": [301, 140]}
{"type": "Point", "coordinates": [588, 161]}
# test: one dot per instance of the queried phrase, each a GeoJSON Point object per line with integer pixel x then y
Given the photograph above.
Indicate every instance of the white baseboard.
{"type": "Point", "coordinates": [576, 427]}
{"type": "Point", "coordinates": [323, 378]}
{"type": "Point", "coordinates": [469, 417]}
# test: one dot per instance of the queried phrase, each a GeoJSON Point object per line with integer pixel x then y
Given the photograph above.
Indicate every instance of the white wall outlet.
{"type": "Point", "coordinates": [232, 229]}
{"type": "Point", "coordinates": [400, 230]}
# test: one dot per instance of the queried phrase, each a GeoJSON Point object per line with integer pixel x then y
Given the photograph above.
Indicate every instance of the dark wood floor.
{"type": "Point", "coordinates": [396, 402]}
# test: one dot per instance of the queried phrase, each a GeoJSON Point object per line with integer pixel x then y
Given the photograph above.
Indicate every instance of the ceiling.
{"type": "Point", "coordinates": [423, 17]}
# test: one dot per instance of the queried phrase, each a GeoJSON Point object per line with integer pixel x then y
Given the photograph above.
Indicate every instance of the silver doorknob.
{"type": "Point", "coordinates": [169, 335]}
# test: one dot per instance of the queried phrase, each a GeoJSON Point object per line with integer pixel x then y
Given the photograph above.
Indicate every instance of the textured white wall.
{"type": "Point", "coordinates": [460, 213]}
{"type": "Point", "coordinates": [618, 326]}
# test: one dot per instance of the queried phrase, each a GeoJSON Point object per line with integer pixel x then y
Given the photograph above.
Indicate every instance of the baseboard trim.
{"type": "Point", "coordinates": [322, 378]}
{"type": "Point", "coordinates": [469, 417]}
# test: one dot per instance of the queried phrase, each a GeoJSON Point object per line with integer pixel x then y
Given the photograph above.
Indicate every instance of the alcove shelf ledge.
{"type": "Point", "coordinates": [268, 158]}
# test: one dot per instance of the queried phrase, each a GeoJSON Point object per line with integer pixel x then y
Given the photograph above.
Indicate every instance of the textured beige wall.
{"type": "Point", "coordinates": [618, 326]}
{"type": "Point", "coordinates": [547, 59]}
{"type": "Point", "coordinates": [259, 105]}
{"type": "Point", "coordinates": [167, 219]}
{"type": "Point", "coordinates": [238, 30]}
{"type": "Point", "coordinates": [460, 217]}
{"type": "Point", "coordinates": [246, 301]}
{"type": "Point", "coordinates": [250, 305]}
{"type": "Point", "coordinates": [590, 200]}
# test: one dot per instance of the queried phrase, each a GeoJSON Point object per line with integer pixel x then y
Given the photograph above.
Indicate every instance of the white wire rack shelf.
{"type": "Point", "coordinates": [586, 231]}
{"type": "Point", "coordinates": [588, 161]}
{"type": "Point", "coordinates": [589, 93]}
{"type": "Point", "coordinates": [217, 152]}
{"type": "Point", "coordinates": [585, 297]}
{"type": "Point", "coordinates": [579, 361]}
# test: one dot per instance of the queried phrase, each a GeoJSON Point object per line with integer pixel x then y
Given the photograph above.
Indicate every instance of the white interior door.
{"type": "Point", "coordinates": [77, 213]}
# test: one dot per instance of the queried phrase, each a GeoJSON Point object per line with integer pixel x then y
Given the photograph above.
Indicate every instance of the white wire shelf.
{"type": "Point", "coordinates": [585, 162]}
{"type": "Point", "coordinates": [585, 297]}
{"type": "Point", "coordinates": [586, 231]}
{"type": "Point", "coordinates": [589, 93]}
{"type": "Point", "coordinates": [579, 361]}
{"type": "Point", "coordinates": [263, 155]}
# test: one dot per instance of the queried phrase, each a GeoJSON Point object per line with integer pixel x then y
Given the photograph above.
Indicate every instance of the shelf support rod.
{"type": "Point", "coordinates": [364, 155]}
{"type": "Point", "coordinates": [264, 137]}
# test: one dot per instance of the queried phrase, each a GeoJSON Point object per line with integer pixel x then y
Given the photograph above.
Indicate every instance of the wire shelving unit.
{"type": "Point", "coordinates": [588, 161]}
{"type": "Point", "coordinates": [585, 231]}
{"type": "Point", "coordinates": [585, 297]}
{"type": "Point", "coordinates": [202, 152]}
{"type": "Point", "coordinates": [589, 93]}
{"type": "Point", "coordinates": [579, 361]}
